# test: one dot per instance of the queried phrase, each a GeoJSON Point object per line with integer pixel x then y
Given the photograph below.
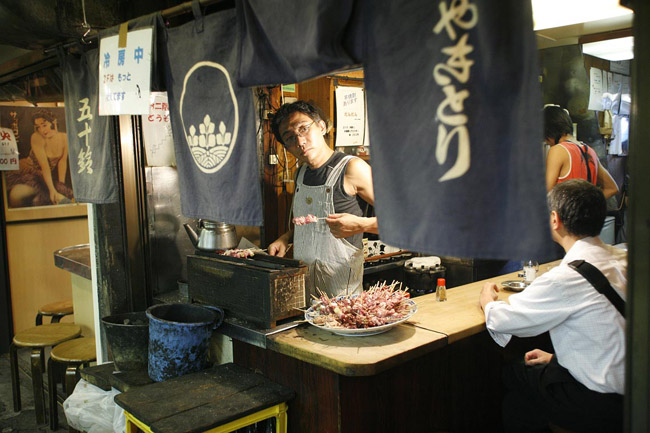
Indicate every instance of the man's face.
{"type": "Point", "coordinates": [302, 136]}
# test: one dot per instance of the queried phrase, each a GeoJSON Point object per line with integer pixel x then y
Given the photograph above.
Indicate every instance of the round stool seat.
{"type": "Point", "coordinates": [62, 307]}
{"type": "Point", "coordinates": [77, 350]}
{"type": "Point", "coordinates": [47, 335]}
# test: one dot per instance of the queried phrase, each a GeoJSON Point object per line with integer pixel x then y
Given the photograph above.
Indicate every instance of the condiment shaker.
{"type": "Point", "coordinates": [441, 290]}
{"type": "Point", "coordinates": [530, 270]}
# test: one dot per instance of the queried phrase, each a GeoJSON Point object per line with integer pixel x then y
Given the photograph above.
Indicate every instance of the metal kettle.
{"type": "Point", "coordinates": [213, 235]}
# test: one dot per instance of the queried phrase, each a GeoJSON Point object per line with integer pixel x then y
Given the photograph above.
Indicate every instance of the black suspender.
{"type": "Point", "coordinates": [585, 157]}
{"type": "Point", "coordinates": [599, 281]}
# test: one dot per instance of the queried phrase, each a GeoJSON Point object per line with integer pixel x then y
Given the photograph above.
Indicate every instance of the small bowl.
{"type": "Point", "coordinates": [514, 285]}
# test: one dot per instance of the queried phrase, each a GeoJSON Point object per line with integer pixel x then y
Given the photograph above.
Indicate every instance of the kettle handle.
{"type": "Point", "coordinates": [220, 317]}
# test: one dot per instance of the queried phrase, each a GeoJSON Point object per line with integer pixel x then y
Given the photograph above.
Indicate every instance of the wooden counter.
{"type": "Point", "coordinates": [409, 379]}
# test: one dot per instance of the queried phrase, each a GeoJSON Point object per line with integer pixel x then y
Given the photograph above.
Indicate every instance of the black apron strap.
{"type": "Point", "coordinates": [600, 282]}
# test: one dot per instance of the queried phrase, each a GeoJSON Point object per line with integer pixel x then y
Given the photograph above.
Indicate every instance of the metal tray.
{"type": "Point", "coordinates": [361, 332]}
{"type": "Point", "coordinates": [514, 285]}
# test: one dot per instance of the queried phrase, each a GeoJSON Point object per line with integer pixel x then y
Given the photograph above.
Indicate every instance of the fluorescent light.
{"type": "Point", "coordinates": [558, 13]}
{"type": "Point", "coordinates": [611, 49]}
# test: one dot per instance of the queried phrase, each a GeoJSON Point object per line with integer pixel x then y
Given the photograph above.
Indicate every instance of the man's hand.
{"type": "Point", "coordinates": [488, 294]}
{"type": "Point", "coordinates": [279, 247]}
{"type": "Point", "coordinates": [343, 225]}
{"type": "Point", "coordinates": [536, 357]}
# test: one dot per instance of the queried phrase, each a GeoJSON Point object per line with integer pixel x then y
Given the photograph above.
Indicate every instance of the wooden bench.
{"type": "Point", "coordinates": [37, 338]}
{"type": "Point", "coordinates": [220, 399]}
{"type": "Point", "coordinates": [72, 354]}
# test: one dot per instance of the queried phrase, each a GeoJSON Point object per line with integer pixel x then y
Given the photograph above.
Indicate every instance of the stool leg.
{"type": "Point", "coordinates": [281, 422]}
{"type": "Point", "coordinates": [52, 397]}
{"type": "Point", "coordinates": [37, 385]}
{"type": "Point", "coordinates": [39, 319]}
{"type": "Point", "coordinates": [56, 318]}
{"type": "Point", "coordinates": [70, 379]}
{"type": "Point", "coordinates": [15, 378]}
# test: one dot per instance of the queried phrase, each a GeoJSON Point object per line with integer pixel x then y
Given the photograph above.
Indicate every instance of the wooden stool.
{"type": "Point", "coordinates": [220, 399]}
{"type": "Point", "coordinates": [72, 354]}
{"type": "Point", "coordinates": [38, 338]}
{"type": "Point", "coordinates": [56, 310]}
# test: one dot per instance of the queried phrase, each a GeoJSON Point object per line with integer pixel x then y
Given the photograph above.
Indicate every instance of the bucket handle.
{"type": "Point", "coordinates": [220, 318]}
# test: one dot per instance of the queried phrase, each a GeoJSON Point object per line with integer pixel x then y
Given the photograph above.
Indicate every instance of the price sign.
{"type": "Point", "coordinates": [8, 150]}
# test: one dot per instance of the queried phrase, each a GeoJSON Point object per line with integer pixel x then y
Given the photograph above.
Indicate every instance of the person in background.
{"type": "Point", "coordinates": [579, 387]}
{"type": "Point", "coordinates": [571, 159]}
{"type": "Point", "coordinates": [33, 184]}
{"type": "Point", "coordinates": [329, 185]}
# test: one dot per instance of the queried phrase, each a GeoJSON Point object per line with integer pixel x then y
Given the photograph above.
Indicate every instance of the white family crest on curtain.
{"type": "Point", "coordinates": [211, 140]}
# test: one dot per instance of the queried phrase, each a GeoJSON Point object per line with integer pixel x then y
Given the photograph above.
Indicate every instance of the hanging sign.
{"type": "Point", "coordinates": [350, 116]}
{"type": "Point", "coordinates": [125, 73]}
{"type": "Point", "coordinates": [8, 150]}
{"type": "Point", "coordinates": [157, 132]}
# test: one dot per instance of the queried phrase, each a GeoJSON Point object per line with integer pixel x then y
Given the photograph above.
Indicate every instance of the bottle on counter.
{"type": "Point", "coordinates": [441, 290]}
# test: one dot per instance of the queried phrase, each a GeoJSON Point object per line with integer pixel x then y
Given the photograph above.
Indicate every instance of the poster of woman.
{"type": "Point", "coordinates": [43, 177]}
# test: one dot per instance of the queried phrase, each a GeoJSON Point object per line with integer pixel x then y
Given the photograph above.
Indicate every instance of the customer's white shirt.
{"type": "Point", "coordinates": [587, 331]}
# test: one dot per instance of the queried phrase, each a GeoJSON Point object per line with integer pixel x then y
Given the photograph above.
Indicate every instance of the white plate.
{"type": "Point", "coordinates": [361, 332]}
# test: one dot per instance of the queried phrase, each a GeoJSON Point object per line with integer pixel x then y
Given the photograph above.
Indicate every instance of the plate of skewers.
{"type": "Point", "coordinates": [371, 312]}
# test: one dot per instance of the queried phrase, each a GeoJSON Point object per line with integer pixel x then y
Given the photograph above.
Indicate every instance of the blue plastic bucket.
{"type": "Point", "coordinates": [179, 338]}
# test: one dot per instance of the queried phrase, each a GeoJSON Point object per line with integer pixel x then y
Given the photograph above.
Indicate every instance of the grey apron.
{"type": "Point", "coordinates": [335, 265]}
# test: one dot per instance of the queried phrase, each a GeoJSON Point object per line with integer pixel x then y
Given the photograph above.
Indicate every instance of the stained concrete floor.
{"type": "Point", "coordinates": [25, 420]}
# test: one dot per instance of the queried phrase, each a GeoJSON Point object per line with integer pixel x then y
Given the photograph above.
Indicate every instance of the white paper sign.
{"type": "Point", "coordinates": [620, 66]}
{"type": "Point", "coordinates": [350, 116]}
{"type": "Point", "coordinates": [595, 89]}
{"type": "Point", "coordinates": [157, 132]}
{"type": "Point", "coordinates": [8, 150]}
{"type": "Point", "coordinates": [125, 74]}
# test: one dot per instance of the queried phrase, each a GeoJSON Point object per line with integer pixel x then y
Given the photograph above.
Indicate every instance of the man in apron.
{"type": "Point", "coordinates": [328, 185]}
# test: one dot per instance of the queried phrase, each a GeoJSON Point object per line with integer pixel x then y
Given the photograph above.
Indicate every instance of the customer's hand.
{"type": "Point", "coordinates": [536, 357]}
{"type": "Point", "coordinates": [489, 293]}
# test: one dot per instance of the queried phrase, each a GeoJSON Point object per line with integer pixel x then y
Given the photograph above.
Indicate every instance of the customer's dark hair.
{"type": "Point", "coordinates": [580, 205]}
{"type": "Point", "coordinates": [557, 122]}
{"type": "Point", "coordinates": [287, 110]}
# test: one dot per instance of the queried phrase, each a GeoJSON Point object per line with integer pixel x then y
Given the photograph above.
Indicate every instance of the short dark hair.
{"type": "Point", "coordinates": [580, 205]}
{"type": "Point", "coordinates": [557, 122]}
{"type": "Point", "coordinates": [287, 110]}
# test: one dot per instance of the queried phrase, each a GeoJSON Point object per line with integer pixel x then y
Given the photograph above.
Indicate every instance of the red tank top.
{"type": "Point", "coordinates": [583, 162]}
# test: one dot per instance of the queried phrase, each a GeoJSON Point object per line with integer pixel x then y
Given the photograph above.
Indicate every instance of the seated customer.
{"type": "Point", "coordinates": [580, 387]}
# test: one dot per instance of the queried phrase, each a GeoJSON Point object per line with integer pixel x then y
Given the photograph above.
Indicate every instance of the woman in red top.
{"type": "Point", "coordinates": [569, 158]}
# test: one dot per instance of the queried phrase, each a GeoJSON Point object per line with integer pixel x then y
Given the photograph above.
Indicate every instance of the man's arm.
{"type": "Point", "coordinates": [554, 161]}
{"type": "Point", "coordinates": [606, 182]}
{"type": "Point", "coordinates": [357, 181]}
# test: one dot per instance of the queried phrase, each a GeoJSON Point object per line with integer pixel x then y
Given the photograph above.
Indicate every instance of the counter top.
{"type": "Point", "coordinates": [435, 325]}
{"type": "Point", "coordinates": [75, 259]}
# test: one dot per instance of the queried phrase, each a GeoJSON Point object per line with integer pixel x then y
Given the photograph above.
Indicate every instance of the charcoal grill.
{"type": "Point", "coordinates": [262, 290]}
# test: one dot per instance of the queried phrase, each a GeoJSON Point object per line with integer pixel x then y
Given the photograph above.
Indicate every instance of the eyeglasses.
{"type": "Point", "coordinates": [301, 131]}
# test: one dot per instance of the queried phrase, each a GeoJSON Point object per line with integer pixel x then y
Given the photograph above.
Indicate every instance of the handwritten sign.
{"type": "Point", "coordinates": [125, 74]}
{"type": "Point", "coordinates": [8, 150]}
{"type": "Point", "coordinates": [350, 116]}
{"type": "Point", "coordinates": [157, 132]}
{"type": "Point", "coordinates": [596, 87]}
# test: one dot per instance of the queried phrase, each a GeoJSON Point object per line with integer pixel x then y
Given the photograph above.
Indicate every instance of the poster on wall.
{"type": "Point", "coordinates": [125, 73]}
{"type": "Point", "coordinates": [43, 175]}
{"type": "Point", "coordinates": [350, 116]}
{"type": "Point", "coordinates": [157, 132]}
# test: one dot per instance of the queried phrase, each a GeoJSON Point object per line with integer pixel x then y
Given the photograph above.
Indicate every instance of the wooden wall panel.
{"type": "Point", "coordinates": [34, 278]}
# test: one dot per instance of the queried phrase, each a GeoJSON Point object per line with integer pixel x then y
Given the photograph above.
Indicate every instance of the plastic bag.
{"type": "Point", "coordinates": [91, 409]}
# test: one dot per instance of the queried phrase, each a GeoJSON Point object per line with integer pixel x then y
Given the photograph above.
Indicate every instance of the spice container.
{"type": "Point", "coordinates": [441, 290]}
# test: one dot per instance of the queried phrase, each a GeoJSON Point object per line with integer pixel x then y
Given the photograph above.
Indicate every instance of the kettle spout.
{"type": "Point", "coordinates": [192, 234]}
